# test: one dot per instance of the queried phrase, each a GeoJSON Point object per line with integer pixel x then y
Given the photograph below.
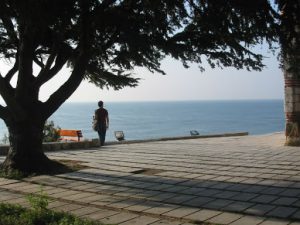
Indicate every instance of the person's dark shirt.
{"type": "Point", "coordinates": [101, 114]}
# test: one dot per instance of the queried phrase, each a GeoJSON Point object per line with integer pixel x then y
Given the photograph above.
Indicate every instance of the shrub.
{"type": "Point", "coordinates": [50, 132]}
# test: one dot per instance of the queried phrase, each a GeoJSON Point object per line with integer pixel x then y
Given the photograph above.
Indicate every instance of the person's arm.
{"type": "Point", "coordinates": [107, 121]}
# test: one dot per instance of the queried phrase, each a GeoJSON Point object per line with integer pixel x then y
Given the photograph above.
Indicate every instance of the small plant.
{"type": "Point", "coordinates": [38, 215]}
{"type": "Point", "coordinates": [50, 132]}
{"type": "Point", "coordinates": [38, 202]}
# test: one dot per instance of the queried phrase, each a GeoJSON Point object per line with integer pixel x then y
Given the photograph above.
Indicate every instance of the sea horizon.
{"type": "Point", "coordinates": [184, 100]}
{"type": "Point", "coordinates": [159, 119]}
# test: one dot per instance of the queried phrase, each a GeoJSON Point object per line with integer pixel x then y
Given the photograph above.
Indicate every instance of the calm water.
{"type": "Point", "coordinates": [144, 120]}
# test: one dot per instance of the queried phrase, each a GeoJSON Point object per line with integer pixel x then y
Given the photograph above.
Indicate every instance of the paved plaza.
{"type": "Point", "coordinates": [229, 180]}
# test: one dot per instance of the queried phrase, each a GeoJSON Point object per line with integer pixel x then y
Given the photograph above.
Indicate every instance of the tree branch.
{"type": "Point", "coordinates": [80, 64]}
{"type": "Point", "coordinates": [68, 88]}
{"type": "Point", "coordinates": [60, 60]}
{"type": "Point", "coordinates": [38, 62]}
{"type": "Point", "coordinates": [13, 70]}
{"type": "Point", "coordinates": [24, 89]}
{"type": "Point", "coordinates": [49, 62]}
{"type": "Point", "coordinates": [7, 92]}
{"type": "Point", "coordinates": [4, 114]}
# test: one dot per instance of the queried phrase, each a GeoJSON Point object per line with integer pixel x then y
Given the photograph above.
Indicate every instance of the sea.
{"type": "Point", "coordinates": [148, 120]}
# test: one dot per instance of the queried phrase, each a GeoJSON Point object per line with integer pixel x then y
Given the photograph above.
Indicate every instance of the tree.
{"type": "Point", "coordinates": [102, 41]}
{"type": "Point", "coordinates": [290, 57]}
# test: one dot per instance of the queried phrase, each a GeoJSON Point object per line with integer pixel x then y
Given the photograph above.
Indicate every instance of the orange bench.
{"type": "Point", "coordinates": [70, 133]}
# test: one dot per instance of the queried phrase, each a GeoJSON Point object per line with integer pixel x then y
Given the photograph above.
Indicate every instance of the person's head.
{"type": "Point", "coordinates": [100, 104]}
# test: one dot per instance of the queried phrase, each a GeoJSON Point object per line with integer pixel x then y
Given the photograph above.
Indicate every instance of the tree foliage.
{"type": "Point", "coordinates": [108, 38]}
{"type": "Point", "coordinates": [103, 40]}
{"type": "Point", "coordinates": [289, 35]}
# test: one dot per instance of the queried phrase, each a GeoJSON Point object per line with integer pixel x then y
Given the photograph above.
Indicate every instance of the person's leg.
{"type": "Point", "coordinates": [100, 137]}
{"type": "Point", "coordinates": [103, 133]}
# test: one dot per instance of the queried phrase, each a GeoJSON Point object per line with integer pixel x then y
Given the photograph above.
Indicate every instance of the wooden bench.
{"type": "Point", "coordinates": [70, 133]}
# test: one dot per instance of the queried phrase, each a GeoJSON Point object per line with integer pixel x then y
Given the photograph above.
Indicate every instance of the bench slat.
{"type": "Point", "coordinates": [71, 133]}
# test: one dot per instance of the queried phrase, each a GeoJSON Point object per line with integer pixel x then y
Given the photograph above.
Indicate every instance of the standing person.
{"type": "Point", "coordinates": [101, 115]}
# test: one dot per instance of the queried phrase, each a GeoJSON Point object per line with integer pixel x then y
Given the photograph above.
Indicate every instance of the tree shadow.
{"type": "Point", "coordinates": [152, 190]}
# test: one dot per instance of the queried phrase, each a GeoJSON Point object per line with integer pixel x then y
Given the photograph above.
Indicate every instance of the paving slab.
{"type": "Point", "coordinates": [282, 212]}
{"type": "Point", "coordinates": [225, 218]}
{"type": "Point", "coordinates": [84, 211]}
{"type": "Point", "coordinates": [143, 206]}
{"type": "Point", "coordinates": [166, 222]}
{"type": "Point", "coordinates": [141, 220]}
{"type": "Point", "coordinates": [264, 198]}
{"type": "Point", "coordinates": [118, 218]}
{"type": "Point", "coordinates": [67, 207]}
{"type": "Point", "coordinates": [101, 214]}
{"type": "Point", "coordinates": [181, 212]}
{"type": "Point", "coordinates": [230, 180]}
{"type": "Point", "coordinates": [203, 215]}
{"type": "Point", "coordinates": [248, 220]}
{"type": "Point", "coordinates": [161, 209]}
{"type": "Point", "coordinates": [56, 204]}
{"type": "Point", "coordinates": [274, 222]}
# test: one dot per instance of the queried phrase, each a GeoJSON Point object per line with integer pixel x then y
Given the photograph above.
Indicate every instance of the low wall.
{"type": "Point", "coordinates": [88, 144]}
{"type": "Point", "coordinates": [58, 146]}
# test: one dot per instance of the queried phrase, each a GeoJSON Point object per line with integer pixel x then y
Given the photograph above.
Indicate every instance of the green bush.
{"type": "Point", "coordinates": [50, 132]}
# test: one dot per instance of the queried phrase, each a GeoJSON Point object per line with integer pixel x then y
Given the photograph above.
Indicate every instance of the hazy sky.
{"type": "Point", "coordinates": [191, 84]}
{"type": "Point", "coordinates": [186, 84]}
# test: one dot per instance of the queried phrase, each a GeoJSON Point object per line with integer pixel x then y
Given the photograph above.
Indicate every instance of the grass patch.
{"type": "Point", "coordinates": [17, 215]}
{"type": "Point", "coordinates": [12, 174]}
{"type": "Point", "coordinates": [38, 214]}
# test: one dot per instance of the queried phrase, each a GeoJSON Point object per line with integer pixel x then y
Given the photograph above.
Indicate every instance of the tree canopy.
{"type": "Point", "coordinates": [103, 40]}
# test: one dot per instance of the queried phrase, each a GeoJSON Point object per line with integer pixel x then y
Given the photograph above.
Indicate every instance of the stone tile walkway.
{"type": "Point", "coordinates": [233, 180]}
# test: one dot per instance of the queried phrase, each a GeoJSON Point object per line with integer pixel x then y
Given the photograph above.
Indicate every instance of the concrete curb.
{"type": "Point", "coordinates": [180, 138]}
{"type": "Point", "coordinates": [87, 144]}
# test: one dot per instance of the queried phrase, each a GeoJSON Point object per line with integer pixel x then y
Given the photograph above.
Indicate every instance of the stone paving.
{"type": "Point", "coordinates": [233, 180]}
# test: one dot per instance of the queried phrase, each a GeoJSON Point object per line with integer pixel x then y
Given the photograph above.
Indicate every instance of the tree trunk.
{"type": "Point", "coordinates": [292, 110]}
{"type": "Point", "coordinates": [290, 50]}
{"type": "Point", "coordinates": [25, 152]}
